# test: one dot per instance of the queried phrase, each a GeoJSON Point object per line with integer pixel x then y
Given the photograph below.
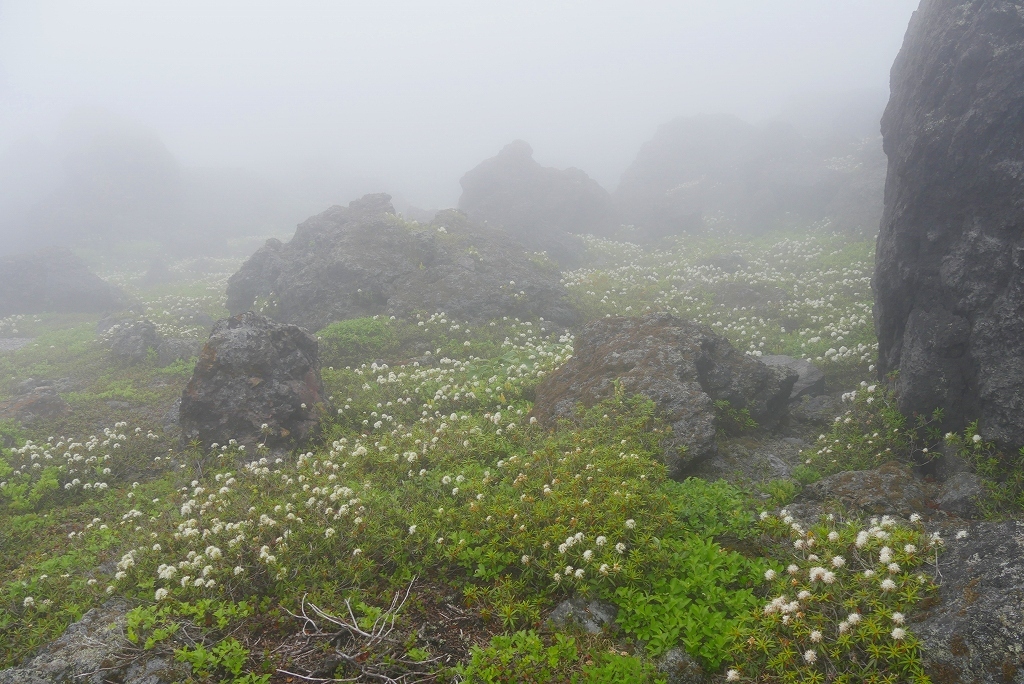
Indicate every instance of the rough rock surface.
{"type": "Point", "coordinates": [38, 403]}
{"type": "Point", "coordinates": [362, 260]}
{"type": "Point", "coordinates": [888, 489]}
{"type": "Point", "coordinates": [251, 372]}
{"type": "Point", "coordinates": [538, 205]}
{"type": "Point", "coordinates": [56, 280]}
{"type": "Point", "coordinates": [974, 633]}
{"type": "Point", "coordinates": [87, 654]}
{"type": "Point", "coordinates": [591, 616]}
{"type": "Point", "coordinates": [949, 267]}
{"type": "Point", "coordinates": [678, 667]}
{"type": "Point", "coordinates": [130, 340]}
{"type": "Point", "coordinates": [171, 349]}
{"type": "Point", "coordinates": [810, 381]}
{"type": "Point", "coordinates": [682, 366]}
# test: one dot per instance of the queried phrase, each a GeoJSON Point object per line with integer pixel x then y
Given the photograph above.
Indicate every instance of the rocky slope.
{"type": "Point", "coordinates": [54, 280]}
{"type": "Point", "coordinates": [949, 292]}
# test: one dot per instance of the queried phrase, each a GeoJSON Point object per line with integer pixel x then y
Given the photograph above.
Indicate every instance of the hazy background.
{"type": "Point", "coordinates": [249, 116]}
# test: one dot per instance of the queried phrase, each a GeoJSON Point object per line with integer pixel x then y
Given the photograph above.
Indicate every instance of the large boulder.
{"type": "Point", "coordinates": [949, 267]}
{"type": "Point", "coordinates": [537, 204]}
{"type": "Point", "coordinates": [53, 280]}
{"type": "Point", "coordinates": [253, 372]}
{"type": "Point", "coordinates": [705, 170]}
{"type": "Point", "coordinates": [363, 260]}
{"type": "Point", "coordinates": [682, 366]}
{"type": "Point", "coordinates": [974, 632]}
{"type": "Point", "coordinates": [35, 405]}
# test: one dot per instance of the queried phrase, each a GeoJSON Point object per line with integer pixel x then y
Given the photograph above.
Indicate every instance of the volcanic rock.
{"type": "Point", "coordinates": [974, 632]}
{"type": "Point", "coordinates": [539, 205]}
{"type": "Point", "coordinates": [682, 366]}
{"type": "Point", "coordinates": [39, 403]}
{"type": "Point", "coordinates": [253, 372]}
{"type": "Point", "coordinates": [949, 268]}
{"type": "Point", "coordinates": [130, 340]}
{"type": "Point", "coordinates": [363, 260]}
{"type": "Point", "coordinates": [94, 651]}
{"type": "Point", "coordinates": [810, 380]}
{"type": "Point", "coordinates": [53, 280]}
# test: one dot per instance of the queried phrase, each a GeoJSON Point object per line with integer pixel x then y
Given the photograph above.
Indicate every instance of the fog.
{"type": "Point", "coordinates": [246, 117]}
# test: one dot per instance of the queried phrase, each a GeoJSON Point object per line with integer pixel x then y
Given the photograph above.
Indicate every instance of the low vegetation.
{"type": "Point", "coordinates": [431, 528]}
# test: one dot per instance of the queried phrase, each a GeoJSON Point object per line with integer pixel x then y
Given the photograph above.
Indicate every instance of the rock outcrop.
{"type": "Point", "coordinates": [35, 404]}
{"type": "Point", "coordinates": [363, 260]}
{"type": "Point", "coordinates": [95, 651]}
{"type": "Point", "coordinates": [537, 204]}
{"type": "Point", "coordinates": [54, 280]}
{"type": "Point", "coordinates": [949, 268]}
{"type": "Point", "coordinates": [682, 366]}
{"type": "Point", "coordinates": [974, 632]}
{"type": "Point", "coordinates": [253, 372]}
{"type": "Point", "coordinates": [697, 172]}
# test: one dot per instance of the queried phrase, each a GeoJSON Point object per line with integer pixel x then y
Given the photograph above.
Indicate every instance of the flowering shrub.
{"type": "Point", "coordinates": [836, 611]}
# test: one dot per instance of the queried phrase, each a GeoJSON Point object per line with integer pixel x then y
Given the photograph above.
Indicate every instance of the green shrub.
{"type": "Point", "coordinates": [837, 610]}
{"type": "Point", "coordinates": [356, 341]}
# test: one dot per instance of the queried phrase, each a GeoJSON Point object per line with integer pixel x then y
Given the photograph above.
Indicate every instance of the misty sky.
{"type": "Point", "coordinates": [415, 93]}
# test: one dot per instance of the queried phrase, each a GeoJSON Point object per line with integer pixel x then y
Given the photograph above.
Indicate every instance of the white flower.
{"type": "Point", "coordinates": [898, 618]}
{"type": "Point", "coordinates": [816, 636]}
{"type": "Point", "coordinates": [914, 517]}
{"type": "Point", "coordinates": [887, 584]}
{"type": "Point", "coordinates": [161, 594]}
{"type": "Point", "coordinates": [732, 676]}
{"type": "Point", "coordinates": [631, 523]}
{"type": "Point", "coordinates": [769, 575]}
{"type": "Point", "coordinates": [962, 534]}
{"type": "Point", "coordinates": [525, 559]}
{"type": "Point", "coordinates": [909, 548]}
{"type": "Point", "coordinates": [838, 562]}
{"type": "Point", "coordinates": [587, 555]}
{"type": "Point", "coordinates": [28, 602]}
{"type": "Point", "coordinates": [976, 438]}
{"type": "Point", "coordinates": [329, 532]}
{"type": "Point", "coordinates": [620, 547]}
{"type": "Point", "coordinates": [804, 595]}
{"type": "Point", "coordinates": [356, 552]}
{"type": "Point", "coordinates": [810, 657]}
{"type": "Point", "coordinates": [412, 529]}
{"type": "Point", "coordinates": [853, 618]}
{"type": "Point", "coordinates": [898, 633]}
{"type": "Point", "coordinates": [792, 569]}
{"type": "Point", "coordinates": [601, 541]}
{"type": "Point", "coordinates": [579, 573]}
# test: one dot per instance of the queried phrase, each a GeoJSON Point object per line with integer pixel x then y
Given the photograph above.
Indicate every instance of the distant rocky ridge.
{"type": "Point", "coordinates": [539, 205]}
{"type": "Point", "coordinates": [362, 260]}
{"type": "Point", "coordinates": [949, 268]}
{"type": "Point", "coordinates": [698, 172]}
{"type": "Point", "coordinates": [54, 280]}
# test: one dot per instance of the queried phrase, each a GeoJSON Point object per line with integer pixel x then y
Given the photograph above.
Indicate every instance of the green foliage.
{"type": "Point", "coordinates": [836, 612]}
{"type": "Point", "coordinates": [522, 658]}
{"type": "Point", "coordinates": [780, 492]}
{"type": "Point", "coordinates": [732, 421]}
{"type": "Point", "coordinates": [712, 509]}
{"type": "Point", "coordinates": [616, 668]}
{"type": "Point", "coordinates": [358, 340]}
{"type": "Point", "coordinates": [700, 605]}
{"type": "Point", "coordinates": [1002, 473]}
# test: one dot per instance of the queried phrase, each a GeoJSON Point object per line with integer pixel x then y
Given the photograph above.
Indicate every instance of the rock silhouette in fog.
{"type": "Point", "coordinates": [54, 280]}
{"type": "Point", "coordinates": [949, 271]}
{"type": "Point", "coordinates": [537, 204]}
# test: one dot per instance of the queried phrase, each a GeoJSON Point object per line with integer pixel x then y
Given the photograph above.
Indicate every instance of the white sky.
{"type": "Point", "coordinates": [419, 92]}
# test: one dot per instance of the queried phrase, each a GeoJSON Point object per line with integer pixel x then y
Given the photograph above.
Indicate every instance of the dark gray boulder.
{"type": "Point", "coordinates": [173, 349]}
{"type": "Point", "coordinates": [949, 268]}
{"type": "Point", "coordinates": [537, 204]}
{"type": "Point", "coordinates": [810, 379]}
{"type": "Point", "coordinates": [253, 372]}
{"type": "Point", "coordinates": [682, 366]}
{"type": "Point", "coordinates": [54, 280]}
{"type": "Point", "coordinates": [974, 632]}
{"type": "Point", "coordinates": [363, 260]}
